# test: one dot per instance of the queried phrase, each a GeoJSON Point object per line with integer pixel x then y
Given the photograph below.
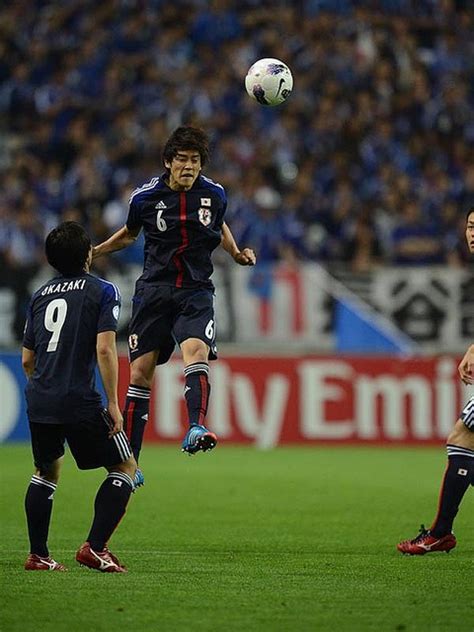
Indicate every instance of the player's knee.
{"type": "Point", "coordinates": [194, 350]}
{"type": "Point", "coordinates": [461, 435]}
{"type": "Point", "coordinates": [142, 375]}
{"type": "Point", "coordinates": [138, 379]}
{"type": "Point", "coordinates": [51, 471]}
{"type": "Point", "coordinates": [50, 475]}
{"type": "Point", "coordinates": [127, 467]}
{"type": "Point", "coordinates": [47, 476]}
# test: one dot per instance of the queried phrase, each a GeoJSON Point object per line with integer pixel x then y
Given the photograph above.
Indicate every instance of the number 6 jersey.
{"type": "Point", "coordinates": [181, 228]}
{"type": "Point", "coordinates": [64, 317]}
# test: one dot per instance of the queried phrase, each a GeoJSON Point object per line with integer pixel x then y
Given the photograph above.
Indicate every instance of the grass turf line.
{"type": "Point", "coordinates": [290, 539]}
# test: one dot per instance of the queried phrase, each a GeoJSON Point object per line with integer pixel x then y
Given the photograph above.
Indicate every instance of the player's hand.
{"type": "Point", "coordinates": [246, 257]}
{"type": "Point", "coordinates": [116, 418]}
{"type": "Point", "coordinates": [466, 366]}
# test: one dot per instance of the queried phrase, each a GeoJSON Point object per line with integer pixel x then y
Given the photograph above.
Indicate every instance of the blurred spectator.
{"type": "Point", "coordinates": [467, 195]}
{"type": "Point", "coordinates": [382, 112]}
{"type": "Point", "coordinates": [273, 232]}
{"type": "Point", "coordinates": [415, 241]}
{"type": "Point", "coordinates": [23, 256]}
{"type": "Point", "coordinates": [114, 217]}
{"type": "Point", "coordinates": [362, 251]}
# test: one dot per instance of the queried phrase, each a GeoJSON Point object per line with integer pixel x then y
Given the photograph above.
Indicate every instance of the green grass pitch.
{"type": "Point", "coordinates": [290, 539]}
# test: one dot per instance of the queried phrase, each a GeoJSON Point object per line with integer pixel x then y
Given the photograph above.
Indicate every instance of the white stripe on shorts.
{"type": "Point", "coordinates": [122, 444]}
{"type": "Point", "coordinates": [467, 414]}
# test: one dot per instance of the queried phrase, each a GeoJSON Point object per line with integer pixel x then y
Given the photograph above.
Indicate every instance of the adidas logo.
{"type": "Point", "coordinates": [161, 205]}
{"type": "Point", "coordinates": [145, 417]}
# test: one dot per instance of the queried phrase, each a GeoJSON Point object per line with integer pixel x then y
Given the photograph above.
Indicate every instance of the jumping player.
{"type": "Point", "coordinates": [182, 215]}
{"type": "Point", "coordinates": [71, 325]}
{"type": "Point", "coordinates": [460, 470]}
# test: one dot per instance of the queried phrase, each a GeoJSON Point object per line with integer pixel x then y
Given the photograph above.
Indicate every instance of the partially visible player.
{"type": "Point", "coordinates": [182, 215]}
{"type": "Point", "coordinates": [71, 325]}
{"type": "Point", "coordinates": [459, 473]}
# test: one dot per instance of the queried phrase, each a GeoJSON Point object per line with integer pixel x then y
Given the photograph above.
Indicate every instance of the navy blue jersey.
{"type": "Point", "coordinates": [64, 317]}
{"type": "Point", "coordinates": [181, 228]}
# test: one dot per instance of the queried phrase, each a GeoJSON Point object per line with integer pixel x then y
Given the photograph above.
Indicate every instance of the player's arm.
{"type": "Point", "coordinates": [245, 257]}
{"type": "Point", "coordinates": [28, 361]}
{"type": "Point", "coordinates": [466, 366]}
{"type": "Point", "coordinates": [118, 241]}
{"type": "Point", "coordinates": [107, 360]}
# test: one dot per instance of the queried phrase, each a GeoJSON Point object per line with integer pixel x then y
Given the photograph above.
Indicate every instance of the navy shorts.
{"type": "Point", "coordinates": [88, 441]}
{"type": "Point", "coordinates": [164, 316]}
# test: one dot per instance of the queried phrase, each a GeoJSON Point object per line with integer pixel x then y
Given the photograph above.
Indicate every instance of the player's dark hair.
{"type": "Point", "coordinates": [470, 211]}
{"type": "Point", "coordinates": [67, 247]}
{"type": "Point", "coordinates": [185, 138]}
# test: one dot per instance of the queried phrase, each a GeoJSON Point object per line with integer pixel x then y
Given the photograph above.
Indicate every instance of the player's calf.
{"type": "Point", "coordinates": [197, 391]}
{"type": "Point", "coordinates": [109, 507]}
{"type": "Point", "coordinates": [38, 508]}
{"type": "Point", "coordinates": [135, 415]}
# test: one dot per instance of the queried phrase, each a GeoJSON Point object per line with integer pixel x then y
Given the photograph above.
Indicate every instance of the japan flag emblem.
{"type": "Point", "coordinates": [204, 215]}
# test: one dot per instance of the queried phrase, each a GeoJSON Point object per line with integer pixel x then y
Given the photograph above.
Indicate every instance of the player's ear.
{"type": "Point", "coordinates": [167, 164]}
{"type": "Point", "coordinates": [89, 257]}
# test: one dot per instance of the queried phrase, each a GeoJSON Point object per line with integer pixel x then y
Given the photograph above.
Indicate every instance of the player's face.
{"type": "Point", "coordinates": [184, 169]}
{"type": "Point", "coordinates": [470, 232]}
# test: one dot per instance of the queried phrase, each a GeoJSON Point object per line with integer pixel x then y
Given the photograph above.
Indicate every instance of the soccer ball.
{"type": "Point", "coordinates": [269, 81]}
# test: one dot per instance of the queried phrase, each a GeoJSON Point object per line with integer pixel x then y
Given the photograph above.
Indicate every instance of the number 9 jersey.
{"type": "Point", "coordinates": [64, 317]}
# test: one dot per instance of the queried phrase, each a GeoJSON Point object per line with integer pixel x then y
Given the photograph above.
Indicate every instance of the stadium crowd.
{"type": "Point", "coordinates": [371, 160]}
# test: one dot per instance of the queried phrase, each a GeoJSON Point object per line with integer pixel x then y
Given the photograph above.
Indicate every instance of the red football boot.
{"type": "Point", "coordinates": [427, 543]}
{"type": "Point", "coordinates": [36, 563]}
{"type": "Point", "coordinates": [103, 561]}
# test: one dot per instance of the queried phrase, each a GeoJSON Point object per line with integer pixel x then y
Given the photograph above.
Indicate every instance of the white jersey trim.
{"type": "Point", "coordinates": [116, 290]}
{"type": "Point", "coordinates": [216, 184]}
{"type": "Point", "coordinates": [145, 187]}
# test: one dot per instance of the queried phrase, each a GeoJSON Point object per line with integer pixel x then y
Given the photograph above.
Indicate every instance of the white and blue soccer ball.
{"type": "Point", "coordinates": [269, 81]}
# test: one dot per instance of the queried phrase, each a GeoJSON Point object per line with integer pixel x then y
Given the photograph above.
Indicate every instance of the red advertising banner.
{"type": "Point", "coordinates": [276, 400]}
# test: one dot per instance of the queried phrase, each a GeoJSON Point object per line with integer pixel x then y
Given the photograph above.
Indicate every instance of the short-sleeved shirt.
{"type": "Point", "coordinates": [64, 317]}
{"type": "Point", "coordinates": [181, 229]}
